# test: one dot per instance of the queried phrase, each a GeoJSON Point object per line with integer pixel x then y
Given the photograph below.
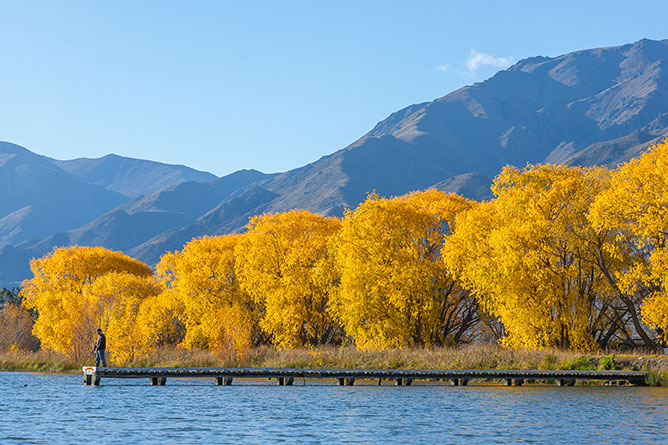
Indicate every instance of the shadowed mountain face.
{"type": "Point", "coordinates": [39, 198]}
{"type": "Point", "coordinates": [231, 215]}
{"type": "Point", "coordinates": [139, 220]}
{"type": "Point", "coordinates": [600, 106]}
{"type": "Point", "coordinates": [131, 177]}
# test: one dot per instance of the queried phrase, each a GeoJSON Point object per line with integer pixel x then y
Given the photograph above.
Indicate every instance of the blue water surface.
{"type": "Point", "coordinates": [47, 408]}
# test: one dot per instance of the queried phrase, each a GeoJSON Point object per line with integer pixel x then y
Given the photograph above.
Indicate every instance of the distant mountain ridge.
{"type": "Point", "coordinates": [39, 198]}
{"type": "Point", "coordinates": [139, 220]}
{"type": "Point", "coordinates": [593, 107]}
{"type": "Point", "coordinates": [131, 177]}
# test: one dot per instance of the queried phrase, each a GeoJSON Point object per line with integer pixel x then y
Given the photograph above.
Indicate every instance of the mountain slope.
{"type": "Point", "coordinates": [572, 108]}
{"type": "Point", "coordinates": [599, 106]}
{"type": "Point", "coordinates": [138, 220]}
{"type": "Point", "coordinates": [131, 177]}
{"type": "Point", "coordinates": [39, 198]}
{"type": "Point", "coordinates": [230, 215]}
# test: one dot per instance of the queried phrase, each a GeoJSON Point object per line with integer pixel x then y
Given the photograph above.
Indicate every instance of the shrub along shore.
{"type": "Point", "coordinates": [477, 356]}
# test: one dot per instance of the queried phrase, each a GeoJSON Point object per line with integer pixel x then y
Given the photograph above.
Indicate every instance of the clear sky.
{"type": "Point", "coordinates": [271, 85]}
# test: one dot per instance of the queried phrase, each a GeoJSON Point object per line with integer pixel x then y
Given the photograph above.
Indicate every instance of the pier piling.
{"type": "Point", "coordinates": [226, 381]}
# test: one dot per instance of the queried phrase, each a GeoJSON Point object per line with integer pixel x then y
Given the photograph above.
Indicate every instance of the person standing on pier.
{"type": "Point", "coordinates": [98, 349]}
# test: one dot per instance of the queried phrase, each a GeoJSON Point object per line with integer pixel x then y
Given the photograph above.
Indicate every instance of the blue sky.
{"type": "Point", "coordinates": [221, 86]}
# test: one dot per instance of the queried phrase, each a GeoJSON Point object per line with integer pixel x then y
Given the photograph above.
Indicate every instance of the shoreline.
{"type": "Point", "coordinates": [478, 356]}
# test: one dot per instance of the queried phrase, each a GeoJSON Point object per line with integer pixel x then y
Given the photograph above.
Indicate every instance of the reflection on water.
{"type": "Point", "coordinates": [59, 409]}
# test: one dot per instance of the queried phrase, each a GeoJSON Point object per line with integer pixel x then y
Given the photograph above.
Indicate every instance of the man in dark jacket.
{"type": "Point", "coordinates": [98, 349]}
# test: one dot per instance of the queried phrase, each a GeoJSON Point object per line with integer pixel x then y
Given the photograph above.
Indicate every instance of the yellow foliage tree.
{"type": "Point", "coordinates": [116, 299]}
{"type": "Point", "coordinates": [532, 258]}
{"type": "Point", "coordinates": [217, 314]}
{"type": "Point", "coordinates": [161, 321]}
{"type": "Point", "coordinates": [60, 291]}
{"type": "Point", "coordinates": [395, 290]}
{"type": "Point", "coordinates": [655, 313]}
{"type": "Point", "coordinates": [283, 263]}
{"type": "Point", "coordinates": [635, 210]}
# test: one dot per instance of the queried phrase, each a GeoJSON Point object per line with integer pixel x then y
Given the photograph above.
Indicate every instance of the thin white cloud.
{"type": "Point", "coordinates": [477, 60]}
{"type": "Point", "coordinates": [474, 62]}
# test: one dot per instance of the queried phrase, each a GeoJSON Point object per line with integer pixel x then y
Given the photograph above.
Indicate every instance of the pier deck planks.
{"type": "Point", "coordinates": [285, 376]}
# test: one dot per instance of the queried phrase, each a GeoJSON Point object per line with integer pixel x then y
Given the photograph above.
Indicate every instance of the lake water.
{"type": "Point", "coordinates": [45, 408]}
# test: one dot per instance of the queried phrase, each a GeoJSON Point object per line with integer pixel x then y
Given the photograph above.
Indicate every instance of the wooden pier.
{"type": "Point", "coordinates": [347, 377]}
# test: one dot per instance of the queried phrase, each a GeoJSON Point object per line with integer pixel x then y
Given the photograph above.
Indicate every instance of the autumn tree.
{"type": "Point", "coordinates": [161, 321]}
{"type": "Point", "coordinates": [217, 313]}
{"type": "Point", "coordinates": [635, 209]}
{"type": "Point", "coordinates": [116, 299]}
{"type": "Point", "coordinates": [16, 329]}
{"type": "Point", "coordinates": [60, 291]}
{"type": "Point", "coordinates": [283, 264]}
{"type": "Point", "coordinates": [532, 258]}
{"type": "Point", "coordinates": [395, 290]}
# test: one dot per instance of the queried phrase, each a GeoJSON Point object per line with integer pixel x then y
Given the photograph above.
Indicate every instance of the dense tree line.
{"type": "Point", "coordinates": [565, 257]}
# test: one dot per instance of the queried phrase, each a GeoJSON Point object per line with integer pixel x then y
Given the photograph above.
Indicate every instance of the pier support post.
{"type": "Point", "coordinates": [90, 376]}
{"type": "Point", "coordinates": [464, 382]}
{"type": "Point", "coordinates": [158, 381]}
{"type": "Point", "coordinates": [509, 382]}
{"type": "Point", "coordinates": [408, 382]}
{"type": "Point", "coordinates": [289, 381]}
{"type": "Point", "coordinates": [454, 382]}
{"type": "Point", "coordinates": [220, 381]}
{"type": "Point", "coordinates": [399, 382]}
{"type": "Point", "coordinates": [518, 382]}
{"type": "Point", "coordinates": [346, 381]}
{"type": "Point", "coordinates": [565, 382]}
{"type": "Point", "coordinates": [92, 379]}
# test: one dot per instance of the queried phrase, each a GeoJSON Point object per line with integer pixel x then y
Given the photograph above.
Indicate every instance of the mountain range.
{"type": "Point", "coordinates": [598, 106]}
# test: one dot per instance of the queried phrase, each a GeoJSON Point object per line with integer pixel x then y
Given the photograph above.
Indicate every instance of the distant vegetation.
{"type": "Point", "coordinates": [562, 257]}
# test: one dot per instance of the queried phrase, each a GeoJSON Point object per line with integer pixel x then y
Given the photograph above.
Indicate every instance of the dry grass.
{"type": "Point", "coordinates": [40, 361]}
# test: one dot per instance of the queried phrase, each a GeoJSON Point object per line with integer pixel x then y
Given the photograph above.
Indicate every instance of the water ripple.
{"type": "Point", "coordinates": [58, 409]}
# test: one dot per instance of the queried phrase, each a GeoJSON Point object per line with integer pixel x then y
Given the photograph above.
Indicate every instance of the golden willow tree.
{"type": "Point", "coordinates": [118, 299]}
{"type": "Point", "coordinates": [395, 290]}
{"type": "Point", "coordinates": [635, 209]}
{"type": "Point", "coordinates": [70, 302]}
{"type": "Point", "coordinates": [201, 280]}
{"type": "Point", "coordinates": [532, 258]}
{"type": "Point", "coordinates": [283, 263]}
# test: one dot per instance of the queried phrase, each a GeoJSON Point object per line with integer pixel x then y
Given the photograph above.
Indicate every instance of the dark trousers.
{"type": "Point", "coordinates": [99, 356]}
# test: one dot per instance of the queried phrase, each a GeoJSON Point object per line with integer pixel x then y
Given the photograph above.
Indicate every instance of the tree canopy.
{"type": "Point", "coordinates": [565, 257]}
